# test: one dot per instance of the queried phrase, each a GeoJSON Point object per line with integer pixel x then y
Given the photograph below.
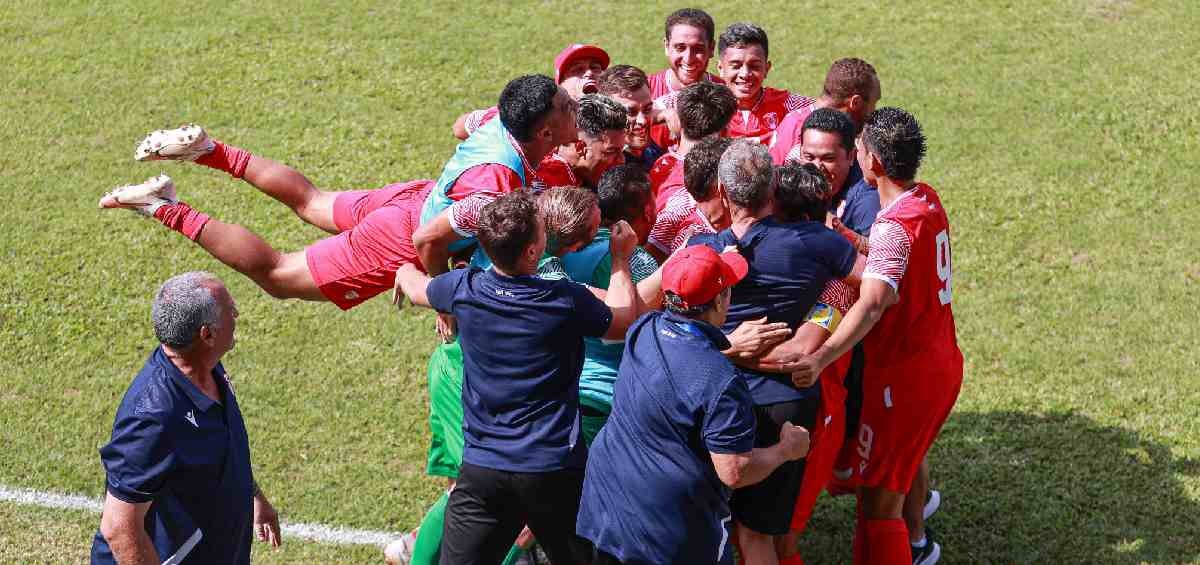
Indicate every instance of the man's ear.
{"type": "Point", "coordinates": [206, 334]}
{"type": "Point", "coordinates": [876, 165]}
{"type": "Point", "coordinates": [855, 103]}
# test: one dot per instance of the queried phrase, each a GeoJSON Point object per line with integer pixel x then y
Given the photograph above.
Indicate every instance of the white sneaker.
{"type": "Point", "coordinates": [399, 552]}
{"type": "Point", "coordinates": [186, 143]}
{"type": "Point", "coordinates": [932, 503]}
{"type": "Point", "coordinates": [143, 198]}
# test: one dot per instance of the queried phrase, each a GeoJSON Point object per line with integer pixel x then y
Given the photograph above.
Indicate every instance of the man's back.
{"type": "Point", "coordinates": [522, 341]}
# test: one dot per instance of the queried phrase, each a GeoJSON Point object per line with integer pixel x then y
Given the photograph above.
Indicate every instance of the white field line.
{"type": "Point", "coordinates": [319, 533]}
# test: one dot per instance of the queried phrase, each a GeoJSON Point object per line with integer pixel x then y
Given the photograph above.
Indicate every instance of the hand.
{"type": "Point", "coordinates": [446, 327]}
{"type": "Point", "coordinates": [794, 441]}
{"type": "Point", "coordinates": [806, 370]}
{"type": "Point", "coordinates": [754, 337]}
{"type": "Point", "coordinates": [622, 241]}
{"type": "Point", "coordinates": [266, 521]}
{"type": "Point", "coordinates": [397, 295]}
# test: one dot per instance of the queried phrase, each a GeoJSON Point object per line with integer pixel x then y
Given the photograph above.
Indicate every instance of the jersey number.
{"type": "Point", "coordinates": [943, 266]}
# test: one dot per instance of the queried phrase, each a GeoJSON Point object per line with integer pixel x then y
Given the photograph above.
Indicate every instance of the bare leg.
{"type": "Point", "coordinates": [282, 275]}
{"type": "Point", "coordinates": [756, 548]}
{"type": "Point", "coordinates": [914, 503]}
{"type": "Point", "coordinates": [292, 189]}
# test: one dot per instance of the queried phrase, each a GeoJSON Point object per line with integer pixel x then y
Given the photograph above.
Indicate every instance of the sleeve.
{"type": "Point", "coordinates": [666, 101]}
{"type": "Point", "coordinates": [443, 288]}
{"type": "Point", "coordinates": [552, 269]}
{"type": "Point", "coordinates": [592, 316]}
{"type": "Point", "coordinates": [729, 421]}
{"type": "Point", "coordinates": [666, 228]}
{"type": "Point", "coordinates": [842, 255]}
{"type": "Point", "coordinates": [642, 265]}
{"type": "Point", "coordinates": [824, 315]}
{"type": "Point", "coordinates": [488, 178]}
{"type": "Point", "coordinates": [797, 102]}
{"type": "Point", "coordinates": [839, 295]}
{"type": "Point", "coordinates": [477, 118]}
{"type": "Point", "coordinates": [140, 456]}
{"type": "Point", "coordinates": [793, 156]}
{"type": "Point", "coordinates": [888, 256]}
{"type": "Point", "coordinates": [464, 214]}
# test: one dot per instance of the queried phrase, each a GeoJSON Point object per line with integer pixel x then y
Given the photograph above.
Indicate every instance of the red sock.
{"type": "Point", "coordinates": [182, 218]}
{"type": "Point", "coordinates": [228, 158]}
{"type": "Point", "coordinates": [791, 560]}
{"type": "Point", "coordinates": [887, 542]}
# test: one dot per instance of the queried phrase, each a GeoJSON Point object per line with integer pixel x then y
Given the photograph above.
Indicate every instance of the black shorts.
{"type": "Point", "coordinates": [488, 508]}
{"type": "Point", "coordinates": [767, 507]}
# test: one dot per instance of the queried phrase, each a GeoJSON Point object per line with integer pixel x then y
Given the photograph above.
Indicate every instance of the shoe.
{"type": "Point", "coordinates": [932, 503]}
{"type": "Point", "coordinates": [143, 198]}
{"type": "Point", "coordinates": [400, 552]}
{"type": "Point", "coordinates": [930, 553]}
{"type": "Point", "coordinates": [186, 143]}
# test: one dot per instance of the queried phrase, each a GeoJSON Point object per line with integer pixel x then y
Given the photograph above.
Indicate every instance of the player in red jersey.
{"type": "Point", "coordinates": [914, 368]}
{"type": "Point", "coordinates": [688, 41]}
{"type": "Point", "coordinates": [851, 87]}
{"type": "Point", "coordinates": [374, 227]}
{"type": "Point", "coordinates": [702, 208]}
{"type": "Point", "coordinates": [743, 62]}
{"type": "Point", "coordinates": [629, 87]}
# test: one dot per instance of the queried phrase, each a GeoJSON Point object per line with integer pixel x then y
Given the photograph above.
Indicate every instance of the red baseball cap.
{"type": "Point", "coordinates": [698, 274]}
{"type": "Point", "coordinates": [574, 52]}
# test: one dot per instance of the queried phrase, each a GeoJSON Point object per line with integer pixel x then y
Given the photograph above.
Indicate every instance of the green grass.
{"type": "Point", "coordinates": [1062, 140]}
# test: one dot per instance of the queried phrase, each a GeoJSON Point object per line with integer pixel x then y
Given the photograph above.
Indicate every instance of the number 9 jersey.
{"type": "Point", "coordinates": [910, 250]}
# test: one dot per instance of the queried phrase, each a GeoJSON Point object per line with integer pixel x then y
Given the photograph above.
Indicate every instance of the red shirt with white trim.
{"type": "Point", "coordinates": [666, 179]}
{"type": "Point", "coordinates": [786, 140]}
{"type": "Point", "coordinates": [910, 251]}
{"type": "Point", "coordinates": [760, 121]}
{"type": "Point", "coordinates": [678, 221]}
{"type": "Point", "coordinates": [664, 98]}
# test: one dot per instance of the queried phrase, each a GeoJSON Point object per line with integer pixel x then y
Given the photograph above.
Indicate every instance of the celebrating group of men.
{"type": "Point", "coordinates": [674, 309]}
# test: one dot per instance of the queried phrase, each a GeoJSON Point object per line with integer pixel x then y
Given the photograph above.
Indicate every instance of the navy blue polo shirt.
{"type": "Point", "coordinates": [649, 155]}
{"type": "Point", "coordinates": [853, 177]}
{"type": "Point", "coordinates": [860, 207]}
{"type": "Point", "coordinates": [790, 263]}
{"type": "Point", "coordinates": [650, 492]}
{"type": "Point", "coordinates": [189, 457]}
{"type": "Point", "coordinates": [522, 341]}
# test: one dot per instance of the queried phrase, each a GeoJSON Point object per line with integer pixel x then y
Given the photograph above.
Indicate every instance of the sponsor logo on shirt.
{"type": "Point", "coordinates": [771, 119]}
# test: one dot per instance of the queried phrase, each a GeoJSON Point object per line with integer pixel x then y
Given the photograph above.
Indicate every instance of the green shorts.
{"type": "Point", "coordinates": [445, 411]}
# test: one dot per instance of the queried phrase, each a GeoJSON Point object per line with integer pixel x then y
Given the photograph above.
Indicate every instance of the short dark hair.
{"type": "Point", "coordinates": [704, 109]}
{"type": "Point", "coordinates": [895, 137]}
{"type": "Point", "coordinates": [623, 191]}
{"type": "Point", "coordinates": [507, 227]}
{"type": "Point", "coordinates": [598, 114]}
{"type": "Point", "coordinates": [525, 103]}
{"type": "Point", "coordinates": [850, 76]}
{"type": "Point", "coordinates": [743, 34]}
{"type": "Point", "coordinates": [674, 303]}
{"type": "Point", "coordinates": [621, 79]}
{"type": "Point", "coordinates": [694, 17]}
{"type": "Point", "coordinates": [700, 166]}
{"type": "Point", "coordinates": [801, 194]}
{"type": "Point", "coordinates": [829, 120]}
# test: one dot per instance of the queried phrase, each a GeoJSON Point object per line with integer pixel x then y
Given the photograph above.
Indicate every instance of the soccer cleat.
{"type": "Point", "coordinates": [186, 143]}
{"type": "Point", "coordinates": [929, 553]}
{"type": "Point", "coordinates": [400, 552]}
{"type": "Point", "coordinates": [143, 198]}
{"type": "Point", "coordinates": [932, 503]}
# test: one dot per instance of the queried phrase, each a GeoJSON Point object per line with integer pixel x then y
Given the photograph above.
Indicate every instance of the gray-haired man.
{"type": "Point", "coordinates": [179, 483]}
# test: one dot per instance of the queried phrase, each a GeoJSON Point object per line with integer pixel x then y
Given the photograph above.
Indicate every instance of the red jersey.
{"type": "Point", "coordinates": [666, 179]}
{"type": "Point", "coordinates": [910, 250]}
{"type": "Point", "coordinates": [760, 121]}
{"type": "Point", "coordinates": [678, 221]}
{"type": "Point", "coordinates": [664, 98]}
{"type": "Point", "coordinates": [787, 134]}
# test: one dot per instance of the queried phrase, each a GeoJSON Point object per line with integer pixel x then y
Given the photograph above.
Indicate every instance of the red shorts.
{"type": "Point", "coordinates": [375, 240]}
{"type": "Point", "coordinates": [904, 407]}
{"type": "Point", "coordinates": [825, 441]}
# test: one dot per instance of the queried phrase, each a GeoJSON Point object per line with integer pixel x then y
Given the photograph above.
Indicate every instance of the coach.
{"type": "Point", "coordinates": [682, 431]}
{"type": "Point", "coordinates": [179, 483]}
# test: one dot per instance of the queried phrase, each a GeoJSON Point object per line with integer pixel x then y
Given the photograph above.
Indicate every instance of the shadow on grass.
{"type": "Point", "coordinates": [1044, 488]}
{"type": "Point", "coordinates": [1061, 487]}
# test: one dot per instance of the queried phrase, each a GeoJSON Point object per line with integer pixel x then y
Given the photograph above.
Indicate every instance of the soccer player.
{"type": "Point", "coordinates": [522, 461]}
{"type": "Point", "coordinates": [374, 227]}
{"type": "Point", "coordinates": [702, 208]}
{"type": "Point", "coordinates": [792, 257]}
{"type": "Point", "coordinates": [704, 110]}
{"type": "Point", "coordinates": [628, 86]}
{"type": "Point", "coordinates": [851, 86]}
{"type": "Point", "coordinates": [688, 42]}
{"type": "Point", "coordinates": [743, 61]}
{"type": "Point", "coordinates": [681, 434]}
{"type": "Point", "coordinates": [903, 316]}
{"type": "Point", "coordinates": [576, 69]}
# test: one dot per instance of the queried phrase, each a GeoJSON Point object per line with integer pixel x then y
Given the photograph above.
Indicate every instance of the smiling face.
{"type": "Point", "coordinates": [579, 78]}
{"type": "Point", "coordinates": [639, 113]}
{"type": "Point", "coordinates": [744, 69]}
{"type": "Point", "coordinates": [824, 149]}
{"type": "Point", "coordinates": [688, 50]}
{"type": "Point", "coordinates": [561, 121]}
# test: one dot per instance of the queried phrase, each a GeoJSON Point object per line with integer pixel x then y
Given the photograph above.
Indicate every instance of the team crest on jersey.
{"type": "Point", "coordinates": [772, 121]}
{"type": "Point", "coordinates": [537, 186]}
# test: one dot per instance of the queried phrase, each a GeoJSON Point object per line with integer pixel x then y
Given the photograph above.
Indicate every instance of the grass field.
{"type": "Point", "coordinates": [1063, 137]}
